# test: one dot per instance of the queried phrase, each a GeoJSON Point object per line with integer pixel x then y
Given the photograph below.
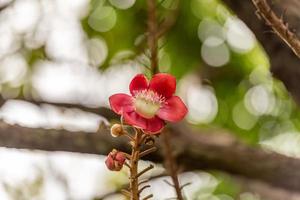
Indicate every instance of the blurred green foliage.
{"type": "Point", "coordinates": [180, 48]}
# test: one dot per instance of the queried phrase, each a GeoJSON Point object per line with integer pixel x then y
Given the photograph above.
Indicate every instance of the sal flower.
{"type": "Point", "coordinates": [151, 103]}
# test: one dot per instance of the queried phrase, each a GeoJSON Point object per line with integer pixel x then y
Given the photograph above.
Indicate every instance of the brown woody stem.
{"type": "Point", "coordinates": [148, 151]}
{"type": "Point", "coordinates": [152, 35]}
{"type": "Point", "coordinates": [153, 46]}
{"type": "Point", "coordinates": [135, 155]}
{"type": "Point", "coordinates": [278, 25]}
{"type": "Point", "coordinates": [170, 164]}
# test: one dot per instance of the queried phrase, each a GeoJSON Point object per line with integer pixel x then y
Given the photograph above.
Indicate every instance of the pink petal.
{"type": "Point", "coordinates": [139, 82]}
{"type": "Point", "coordinates": [154, 125]}
{"type": "Point", "coordinates": [134, 119]}
{"type": "Point", "coordinates": [120, 157]}
{"type": "Point", "coordinates": [109, 162]}
{"type": "Point", "coordinates": [164, 84]}
{"type": "Point", "coordinates": [120, 103]}
{"type": "Point", "coordinates": [173, 110]}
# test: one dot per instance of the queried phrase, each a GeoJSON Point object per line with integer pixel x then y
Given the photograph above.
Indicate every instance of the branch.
{"type": "Point", "coordinates": [170, 163]}
{"type": "Point", "coordinates": [152, 35]}
{"type": "Point", "coordinates": [195, 151]}
{"type": "Point", "coordinates": [278, 25]}
{"type": "Point", "coordinates": [284, 63]}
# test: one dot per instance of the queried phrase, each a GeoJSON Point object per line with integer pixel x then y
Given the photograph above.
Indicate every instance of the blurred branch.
{"type": "Point", "coordinates": [8, 4]}
{"type": "Point", "coordinates": [168, 22]}
{"type": "Point", "coordinates": [284, 63]}
{"type": "Point", "coordinates": [278, 25]}
{"type": "Point", "coordinates": [194, 151]}
{"type": "Point", "coordinates": [264, 190]}
{"type": "Point", "coordinates": [170, 162]}
{"type": "Point", "coordinates": [152, 35]}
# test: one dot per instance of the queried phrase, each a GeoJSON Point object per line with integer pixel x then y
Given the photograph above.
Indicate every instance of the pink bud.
{"type": "Point", "coordinates": [115, 160]}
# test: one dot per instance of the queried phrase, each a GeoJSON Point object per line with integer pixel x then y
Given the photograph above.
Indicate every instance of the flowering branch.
{"type": "Point", "coordinates": [278, 25]}
{"type": "Point", "coordinates": [153, 35]}
{"type": "Point", "coordinates": [135, 155]}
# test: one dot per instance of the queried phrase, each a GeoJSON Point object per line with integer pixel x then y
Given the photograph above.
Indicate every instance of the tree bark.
{"type": "Point", "coordinates": [285, 65]}
{"type": "Point", "coordinates": [194, 151]}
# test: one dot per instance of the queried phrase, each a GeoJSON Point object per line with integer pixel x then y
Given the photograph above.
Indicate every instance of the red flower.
{"type": "Point", "coordinates": [151, 104]}
{"type": "Point", "coordinates": [115, 160]}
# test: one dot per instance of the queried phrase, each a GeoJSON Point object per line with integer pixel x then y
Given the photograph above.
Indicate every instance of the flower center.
{"type": "Point", "coordinates": [147, 103]}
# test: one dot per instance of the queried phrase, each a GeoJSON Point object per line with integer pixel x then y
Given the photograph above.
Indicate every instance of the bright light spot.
{"type": "Point", "coordinates": [72, 119]}
{"type": "Point", "coordinates": [23, 113]}
{"type": "Point", "coordinates": [97, 50]}
{"type": "Point", "coordinates": [202, 183]}
{"type": "Point", "coordinates": [287, 143]}
{"type": "Point", "coordinates": [66, 41]}
{"type": "Point", "coordinates": [103, 18]}
{"type": "Point", "coordinates": [242, 118]}
{"type": "Point", "coordinates": [215, 52]}
{"type": "Point", "coordinates": [10, 42]}
{"type": "Point", "coordinates": [25, 15]}
{"type": "Point", "coordinates": [260, 75]}
{"type": "Point", "coordinates": [122, 4]}
{"type": "Point", "coordinates": [200, 100]}
{"type": "Point", "coordinates": [57, 169]}
{"type": "Point", "coordinates": [202, 104]}
{"type": "Point", "coordinates": [13, 70]}
{"type": "Point", "coordinates": [76, 83]}
{"type": "Point", "coordinates": [239, 37]}
{"type": "Point", "coordinates": [259, 100]}
{"type": "Point", "coordinates": [210, 28]}
{"type": "Point", "coordinates": [47, 116]}
{"type": "Point", "coordinates": [72, 8]}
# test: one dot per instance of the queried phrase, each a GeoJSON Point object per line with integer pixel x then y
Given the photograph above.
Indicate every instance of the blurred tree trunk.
{"type": "Point", "coordinates": [285, 65]}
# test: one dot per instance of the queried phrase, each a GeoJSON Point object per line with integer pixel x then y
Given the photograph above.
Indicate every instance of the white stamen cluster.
{"type": "Point", "coordinates": [149, 96]}
{"type": "Point", "coordinates": [147, 103]}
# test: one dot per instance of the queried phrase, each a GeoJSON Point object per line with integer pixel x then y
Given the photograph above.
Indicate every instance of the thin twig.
{"type": "Point", "coordinates": [278, 25]}
{"type": "Point", "coordinates": [142, 182]}
{"type": "Point", "coordinates": [170, 164]}
{"type": "Point", "coordinates": [143, 188]}
{"type": "Point", "coordinates": [152, 34]}
{"type": "Point", "coordinates": [144, 170]}
{"type": "Point", "coordinates": [148, 197]}
{"type": "Point", "coordinates": [148, 151]}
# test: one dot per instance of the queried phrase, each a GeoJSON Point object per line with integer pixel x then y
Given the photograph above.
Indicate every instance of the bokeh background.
{"type": "Point", "coordinates": [81, 52]}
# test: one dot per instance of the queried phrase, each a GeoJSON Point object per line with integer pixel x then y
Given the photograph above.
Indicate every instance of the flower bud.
{"type": "Point", "coordinates": [115, 160]}
{"type": "Point", "coordinates": [116, 130]}
{"type": "Point", "coordinates": [149, 141]}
